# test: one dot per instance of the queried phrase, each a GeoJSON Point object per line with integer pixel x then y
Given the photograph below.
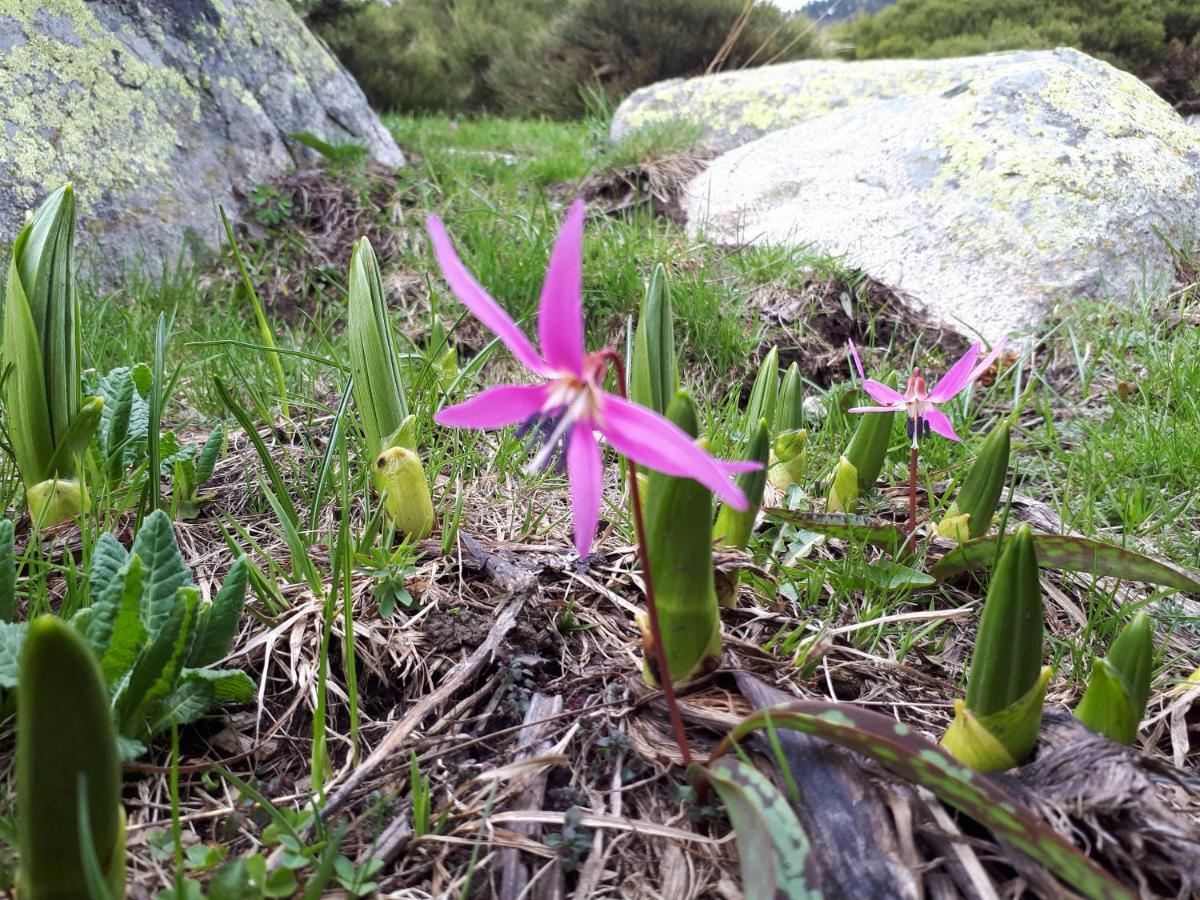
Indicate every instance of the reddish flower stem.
{"type": "Point", "coordinates": [660, 652]}
{"type": "Point", "coordinates": [912, 491]}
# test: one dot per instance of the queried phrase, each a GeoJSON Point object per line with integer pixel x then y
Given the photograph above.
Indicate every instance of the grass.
{"type": "Point", "coordinates": [1106, 437]}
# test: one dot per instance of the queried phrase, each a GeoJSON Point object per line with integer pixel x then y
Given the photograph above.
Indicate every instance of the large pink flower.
{"type": "Point", "coordinates": [918, 403]}
{"type": "Point", "coordinates": [569, 406]}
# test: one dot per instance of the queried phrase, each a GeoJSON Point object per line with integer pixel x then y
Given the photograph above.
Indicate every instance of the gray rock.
{"type": "Point", "coordinates": [158, 110]}
{"type": "Point", "coordinates": [1043, 181]}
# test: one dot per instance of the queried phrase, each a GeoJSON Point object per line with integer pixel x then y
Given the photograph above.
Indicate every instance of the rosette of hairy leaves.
{"type": "Point", "coordinates": [1116, 695]}
{"type": "Point", "coordinates": [679, 542]}
{"type": "Point", "coordinates": [971, 511]}
{"type": "Point", "coordinates": [997, 726]}
{"type": "Point", "coordinates": [67, 767]}
{"type": "Point", "coordinates": [654, 371]}
{"type": "Point", "coordinates": [47, 428]}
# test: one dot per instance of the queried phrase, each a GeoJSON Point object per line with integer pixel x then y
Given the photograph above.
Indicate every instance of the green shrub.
{"type": "Point", "coordinates": [616, 46]}
{"type": "Point", "coordinates": [1140, 36]}
{"type": "Point", "coordinates": [426, 55]}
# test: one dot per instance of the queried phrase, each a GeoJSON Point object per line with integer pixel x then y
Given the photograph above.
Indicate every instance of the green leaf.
{"type": "Point", "coordinates": [998, 740]}
{"type": "Point", "coordinates": [899, 748]}
{"type": "Point", "coordinates": [653, 371]}
{"type": "Point", "coordinates": [264, 329]}
{"type": "Point", "coordinates": [1007, 661]}
{"type": "Point", "coordinates": [24, 386]}
{"type": "Point", "coordinates": [764, 394]}
{"type": "Point", "coordinates": [166, 571]}
{"type": "Point", "coordinates": [842, 525]}
{"type": "Point", "coordinates": [156, 672]}
{"type": "Point", "coordinates": [789, 414]}
{"type": "Point", "coordinates": [209, 454]}
{"type": "Point", "coordinates": [64, 730]}
{"type": "Point", "coordinates": [74, 442]}
{"type": "Point", "coordinates": [893, 576]}
{"type": "Point", "coordinates": [125, 634]}
{"type": "Point", "coordinates": [981, 489]}
{"type": "Point", "coordinates": [218, 622]}
{"type": "Point", "coordinates": [1073, 554]}
{"type": "Point", "coordinates": [12, 638]}
{"type": "Point", "coordinates": [8, 572]}
{"type": "Point", "coordinates": [375, 367]}
{"type": "Point", "coordinates": [867, 450]}
{"type": "Point", "coordinates": [106, 582]}
{"type": "Point", "coordinates": [773, 848]}
{"type": "Point", "coordinates": [734, 527]}
{"type": "Point", "coordinates": [1116, 695]}
{"type": "Point", "coordinates": [228, 685]}
{"type": "Point", "coordinates": [278, 485]}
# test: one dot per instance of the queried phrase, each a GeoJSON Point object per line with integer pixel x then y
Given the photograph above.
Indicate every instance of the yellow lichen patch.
{"type": "Point", "coordinates": [77, 105]}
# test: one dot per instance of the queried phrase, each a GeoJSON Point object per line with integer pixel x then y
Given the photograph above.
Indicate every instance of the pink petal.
{"type": "Point", "coordinates": [505, 404]}
{"type": "Point", "coordinates": [866, 409]}
{"type": "Point", "coordinates": [957, 377]}
{"type": "Point", "coordinates": [938, 422]}
{"type": "Point", "coordinates": [478, 301]}
{"type": "Point", "coordinates": [585, 470]}
{"type": "Point", "coordinates": [862, 376]}
{"type": "Point", "coordinates": [987, 360]}
{"type": "Point", "coordinates": [737, 467]}
{"type": "Point", "coordinates": [881, 393]}
{"type": "Point", "coordinates": [560, 313]}
{"type": "Point", "coordinates": [652, 441]}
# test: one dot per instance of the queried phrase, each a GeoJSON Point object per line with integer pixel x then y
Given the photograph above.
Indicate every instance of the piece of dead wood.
{"type": "Point", "coordinates": [531, 741]}
{"type": "Point", "coordinates": [843, 812]}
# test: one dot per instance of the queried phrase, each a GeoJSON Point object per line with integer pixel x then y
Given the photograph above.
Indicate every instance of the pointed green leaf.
{"type": "Point", "coordinates": [166, 572]}
{"type": "Point", "coordinates": [764, 395]}
{"type": "Point", "coordinates": [24, 386]}
{"type": "Point", "coordinates": [998, 740]}
{"type": "Point", "coordinates": [899, 748]}
{"type": "Point", "coordinates": [1073, 554]}
{"type": "Point", "coordinates": [789, 413]}
{"type": "Point", "coordinates": [378, 386]}
{"type": "Point", "coordinates": [980, 493]}
{"type": "Point", "coordinates": [156, 672]}
{"type": "Point", "coordinates": [774, 850]}
{"type": "Point", "coordinates": [1106, 707]}
{"type": "Point", "coordinates": [734, 527]}
{"type": "Point", "coordinates": [209, 454]}
{"type": "Point", "coordinates": [653, 373]}
{"type": "Point", "coordinates": [74, 443]}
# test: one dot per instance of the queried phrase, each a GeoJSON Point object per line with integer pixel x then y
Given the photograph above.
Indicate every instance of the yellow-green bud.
{"type": "Point", "coordinates": [970, 514]}
{"type": "Point", "coordinates": [400, 477]}
{"type": "Point", "coordinates": [56, 500]}
{"type": "Point", "coordinates": [843, 493]}
{"type": "Point", "coordinates": [788, 458]}
{"type": "Point", "coordinates": [1116, 695]}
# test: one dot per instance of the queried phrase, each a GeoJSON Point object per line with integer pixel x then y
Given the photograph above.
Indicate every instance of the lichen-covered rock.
{"type": "Point", "coordinates": [988, 202]}
{"type": "Point", "coordinates": [158, 110]}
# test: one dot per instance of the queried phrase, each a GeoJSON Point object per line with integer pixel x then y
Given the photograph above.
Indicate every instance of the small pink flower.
{"type": "Point", "coordinates": [917, 402]}
{"type": "Point", "coordinates": [569, 406]}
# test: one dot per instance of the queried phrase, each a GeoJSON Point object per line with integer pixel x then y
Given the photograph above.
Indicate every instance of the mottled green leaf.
{"type": "Point", "coordinates": [1074, 554]}
{"type": "Point", "coordinates": [902, 750]}
{"type": "Point", "coordinates": [774, 850]}
{"type": "Point", "coordinates": [839, 525]}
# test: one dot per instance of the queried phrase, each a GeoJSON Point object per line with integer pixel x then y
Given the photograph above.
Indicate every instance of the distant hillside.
{"type": "Point", "coordinates": [828, 12]}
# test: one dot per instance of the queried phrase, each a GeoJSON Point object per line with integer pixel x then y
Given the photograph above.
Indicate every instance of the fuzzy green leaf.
{"type": "Point", "coordinates": [899, 748]}
{"type": "Point", "coordinates": [166, 572]}
{"type": "Point", "coordinates": [124, 636]}
{"type": "Point", "coordinates": [12, 638]}
{"type": "Point", "coordinates": [209, 454]}
{"type": "Point", "coordinates": [218, 622]}
{"type": "Point", "coordinates": [156, 672]}
{"type": "Point", "coordinates": [774, 850]}
{"type": "Point", "coordinates": [106, 582]}
{"type": "Point", "coordinates": [8, 572]}
{"type": "Point", "coordinates": [1073, 554]}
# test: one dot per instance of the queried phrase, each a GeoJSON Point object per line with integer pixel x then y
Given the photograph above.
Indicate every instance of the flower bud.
{"type": "Point", "coordinates": [788, 457]}
{"type": "Point", "coordinates": [56, 500]}
{"type": "Point", "coordinates": [843, 492]}
{"type": "Point", "coordinates": [970, 514]}
{"type": "Point", "coordinates": [764, 395]}
{"type": "Point", "coordinates": [653, 373]}
{"type": "Point", "coordinates": [1007, 682]}
{"type": "Point", "coordinates": [400, 478]}
{"type": "Point", "coordinates": [679, 543]}
{"type": "Point", "coordinates": [1116, 695]}
{"type": "Point", "coordinates": [789, 411]}
{"type": "Point", "coordinates": [733, 527]}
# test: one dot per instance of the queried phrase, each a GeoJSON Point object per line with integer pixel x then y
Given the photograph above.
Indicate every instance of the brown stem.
{"type": "Point", "coordinates": [660, 651]}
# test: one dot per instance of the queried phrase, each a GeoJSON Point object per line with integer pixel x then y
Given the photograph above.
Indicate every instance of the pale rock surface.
{"type": "Point", "coordinates": [158, 110]}
{"type": "Point", "coordinates": [1040, 177]}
